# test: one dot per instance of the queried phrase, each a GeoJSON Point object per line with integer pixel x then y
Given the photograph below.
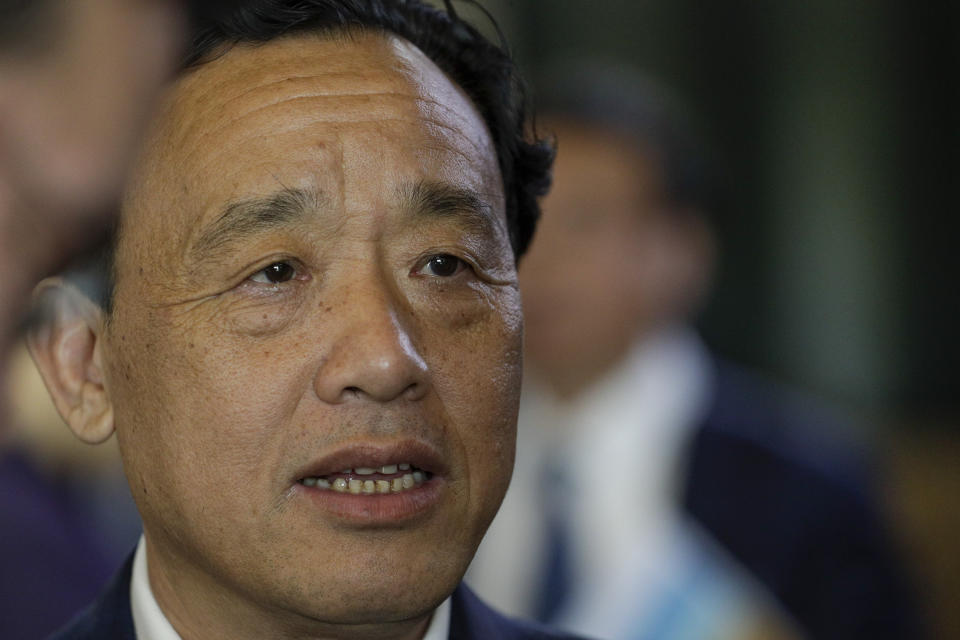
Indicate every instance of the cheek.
{"type": "Point", "coordinates": [196, 413]}
{"type": "Point", "coordinates": [477, 374]}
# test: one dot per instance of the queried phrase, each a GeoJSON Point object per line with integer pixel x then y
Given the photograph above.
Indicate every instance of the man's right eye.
{"type": "Point", "coordinates": [276, 273]}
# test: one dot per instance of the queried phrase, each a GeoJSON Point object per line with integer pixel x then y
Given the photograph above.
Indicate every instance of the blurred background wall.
{"type": "Point", "coordinates": [837, 124]}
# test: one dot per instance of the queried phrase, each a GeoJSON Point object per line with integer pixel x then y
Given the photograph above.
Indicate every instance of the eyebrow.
{"type": "Point", "coordinates": [256, 215]}
{"type": "Point", "coordinates": [423, 199]}
{"type": "Point", "coordinates": [426, 199]}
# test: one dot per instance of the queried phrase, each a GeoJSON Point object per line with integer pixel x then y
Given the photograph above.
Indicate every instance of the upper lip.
{"type": "Point", "coordinates": [418, 453]}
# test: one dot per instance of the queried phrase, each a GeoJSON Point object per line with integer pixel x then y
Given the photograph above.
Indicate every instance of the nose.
{"type": "Point", "coordinates": [371, 354]}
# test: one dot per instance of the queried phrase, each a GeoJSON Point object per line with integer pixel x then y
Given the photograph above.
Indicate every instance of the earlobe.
{"type": "Point", "coordinates": [65, 344]}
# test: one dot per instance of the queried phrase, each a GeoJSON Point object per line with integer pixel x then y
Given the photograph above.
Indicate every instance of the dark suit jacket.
{"type": "Point", "coordinates": [51, 562]}
{"type": "Point", "coordinates": [769, 478]}
{"type": "Point", "coordinates": [110, 618]}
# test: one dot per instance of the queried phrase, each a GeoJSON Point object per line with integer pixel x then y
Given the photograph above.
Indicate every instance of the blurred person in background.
{"type": "Point", "coordinates": [78, 80]}
{"type": "Point", "coordinates": [660, 492]}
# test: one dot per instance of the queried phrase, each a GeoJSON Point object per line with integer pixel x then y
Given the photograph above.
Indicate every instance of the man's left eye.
{"type": "Point", "coordinates": [443, 265]}
{"type": "Point", "coordinates": [275, 273]}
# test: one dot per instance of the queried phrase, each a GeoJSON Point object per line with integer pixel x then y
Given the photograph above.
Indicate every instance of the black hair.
{"type": "Point", "coordinates": [625, 101]}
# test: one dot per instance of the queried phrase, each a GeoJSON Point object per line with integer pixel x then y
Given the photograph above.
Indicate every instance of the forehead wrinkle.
{"type": "Point", "coordinates": [445, 148]}
{"type": "Point", "coordinates": [439, 132]}
{"type": "Point", "coordinates": [480, 147]}
{"type": "Point", "coordinates": [237, 130]}
{"type": "Point", "coordinates": [351, 80]}
{"type": "Point", "coordinates": [346, 114]}
{"type": "Point", "coordinates": [235, 76]}
{"type": "Point", "coordinates": [201, 95]}
{"type": "Point", "coordinates": [286, 56]}
{"type": "Point", "coordinates": [245, 218]}
{"type": "Point", "coordinates": [255, 99]}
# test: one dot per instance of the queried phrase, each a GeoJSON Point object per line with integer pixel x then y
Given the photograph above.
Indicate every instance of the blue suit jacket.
{"type": "Point", "coordinates": [110, 618]}
{"type": "Point", "coordinates": [769, 477]}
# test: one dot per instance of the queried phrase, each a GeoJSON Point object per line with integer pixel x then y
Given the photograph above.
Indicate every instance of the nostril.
{"type": "Point", "coordinates": [412, 392]}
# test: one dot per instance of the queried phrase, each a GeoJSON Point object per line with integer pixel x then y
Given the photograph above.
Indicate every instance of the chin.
{"type": "Point", "coordinates": [384, 600]}
{"type": "Point", "coordinates": [376, 586]}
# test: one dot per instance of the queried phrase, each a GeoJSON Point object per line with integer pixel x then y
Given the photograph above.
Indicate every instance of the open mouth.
{"type": "Point", "coordinates": [390, 478]}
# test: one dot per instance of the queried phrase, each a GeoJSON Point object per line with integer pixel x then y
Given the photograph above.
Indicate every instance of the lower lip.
{"type": "Point", "coordinates": [380, 510]}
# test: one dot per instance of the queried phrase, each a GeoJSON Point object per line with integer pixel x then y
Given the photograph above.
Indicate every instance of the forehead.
{"type": "Point", "coordinates": [335, 78]}
{"type": "Point", "coordinates": [318, 113]}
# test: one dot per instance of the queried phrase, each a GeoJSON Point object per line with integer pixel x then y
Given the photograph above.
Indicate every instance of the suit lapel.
{"type": "Point", "coordinates": [471, 619]}
{"type": "Point", "coordinates": [109, 617]}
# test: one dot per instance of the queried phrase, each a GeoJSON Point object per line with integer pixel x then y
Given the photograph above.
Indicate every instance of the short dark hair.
{"type": "Point", "coordinates": [613, 96]}
{"type": "Point", "coordinates": [483, 70]}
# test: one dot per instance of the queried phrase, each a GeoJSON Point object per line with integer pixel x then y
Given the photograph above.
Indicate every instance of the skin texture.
{"type": "Point", "coordinates": [223, 386]}
{"type": "Point", "coordinates": [612, 257]}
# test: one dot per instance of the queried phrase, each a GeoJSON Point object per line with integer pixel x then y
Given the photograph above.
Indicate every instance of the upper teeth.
{"type": "Point", "coordinates": [341, 484]}
{"type": "Point", "coordinates": [369, 471]}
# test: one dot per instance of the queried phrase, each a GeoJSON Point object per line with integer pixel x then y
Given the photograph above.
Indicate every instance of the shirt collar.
{"type": "Point", "coordinates": [148, 620]}
{"type": "Point", "coordinates": [150, 623]}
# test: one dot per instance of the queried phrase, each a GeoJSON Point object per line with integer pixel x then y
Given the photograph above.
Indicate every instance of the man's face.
{"type": "Point", "coordinates": [314, 280]}
{"type": "Point", "coordinates": [607, 262]}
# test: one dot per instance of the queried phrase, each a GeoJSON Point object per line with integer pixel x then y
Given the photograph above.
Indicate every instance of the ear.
{"type": "Point", "coordinates": [66, 344]}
